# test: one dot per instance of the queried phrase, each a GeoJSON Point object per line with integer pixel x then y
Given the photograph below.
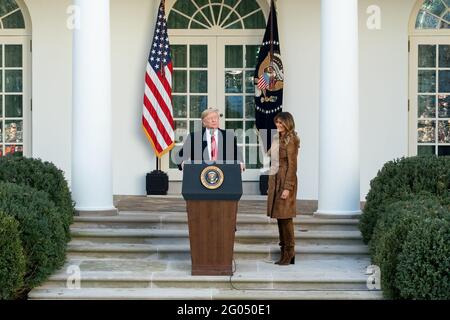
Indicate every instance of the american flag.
{"type": "Point", "coordinates": [263, 82]}
{"type": "Point", "coordinates": [157, 115]}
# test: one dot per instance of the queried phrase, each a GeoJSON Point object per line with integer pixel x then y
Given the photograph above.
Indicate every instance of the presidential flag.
{"type": "Point", "coordinates": [268, 81]}
{"type": "Point", "coordinates": [157, 115]}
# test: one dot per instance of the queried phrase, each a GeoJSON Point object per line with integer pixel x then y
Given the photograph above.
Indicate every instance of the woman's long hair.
{"type": "Point", "coordinates": [288, 122]}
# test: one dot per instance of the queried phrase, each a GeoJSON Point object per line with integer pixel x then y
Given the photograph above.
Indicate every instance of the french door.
{"type": "Point", "coordinates": [215, 72]}
{"type": "Point", "coordinates": [429, 96]}
{"type": "Point", "coordinates": [15, 109]}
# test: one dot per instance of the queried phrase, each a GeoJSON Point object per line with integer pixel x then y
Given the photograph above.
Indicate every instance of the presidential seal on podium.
{"type": "Point", "coordinates": [211, 177]}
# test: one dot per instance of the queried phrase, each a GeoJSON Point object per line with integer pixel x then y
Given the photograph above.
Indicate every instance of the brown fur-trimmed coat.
{"type": "Point", "coordinates": [285, 178]}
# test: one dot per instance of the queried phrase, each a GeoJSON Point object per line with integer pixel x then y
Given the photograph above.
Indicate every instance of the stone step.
{"type": "Point", "coordinates": [305, 274]}
{"type": "Point", "coordinates": [199, 294]}
{"type": "Point", "coordinates": [178, 220]}
{"type": "Point", "coordinates": [83, 249]}
{"type": "Point", "coordinates": [163, 236]}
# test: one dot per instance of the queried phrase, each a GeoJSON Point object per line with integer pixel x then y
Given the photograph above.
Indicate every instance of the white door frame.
{"type": "Point", "coordinates": [415, 41]}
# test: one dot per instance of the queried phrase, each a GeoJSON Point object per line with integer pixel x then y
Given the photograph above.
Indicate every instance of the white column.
{"type": "Point", "coordinates": [91, 114]}
{"type": "Point", "coordinates": [339, 194]}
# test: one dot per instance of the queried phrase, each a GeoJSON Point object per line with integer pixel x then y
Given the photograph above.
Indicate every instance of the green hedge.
{"type": "Point", "coordinates": [423, 270]}
{"type": "Point", "coordinates": [392, 233]}
{"type": "Point", "coordinates": [12, 258]}
{"type": "Point", "coordinates": [400, 178]}
{"type": "Point", "coordinates": [42, 232]}
{"type": "Point", "coordinates": [42, 176]}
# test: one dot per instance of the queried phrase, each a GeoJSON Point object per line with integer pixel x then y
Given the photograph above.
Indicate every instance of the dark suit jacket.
{"type": "Point", "coordinates": [195, 147]}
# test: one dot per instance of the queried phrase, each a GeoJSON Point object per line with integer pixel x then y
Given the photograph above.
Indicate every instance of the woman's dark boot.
{"type": "Point", "coordinates": [281, 235]}
{"type": "Point", "coordinates": [289, 249]}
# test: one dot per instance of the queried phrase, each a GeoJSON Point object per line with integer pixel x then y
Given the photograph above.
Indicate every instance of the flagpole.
{"type": "Point", "coordinates": [272, 8]}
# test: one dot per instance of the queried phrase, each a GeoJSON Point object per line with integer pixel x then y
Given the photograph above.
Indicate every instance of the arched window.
{"type": "Point", "coordinates": [11, 16]}
{"type": "Point", "coordinates": [15, 88]}
{"type": "Point", "coordinates": [226, 14]}
{"type": "Point", "coordinates": [430, 78]}
{"type": "Point", "coordinates": [434, 14]}
{"type": "Point", "coordinates": [214, 46]}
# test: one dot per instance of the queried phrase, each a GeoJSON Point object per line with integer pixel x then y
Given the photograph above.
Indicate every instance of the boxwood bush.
{"type": "Point", "coordinates": [12, 258]}
{"type": "Point", "coordinates": [41, 230]}
{"type": "Point", "coordinates": [399, 179]}
{"type": "Point", "coordinates": [423, 270]}
{"type": "Point", "coordinates": [43, 176]}
{"type": "Point", "coordinates": [392, 233]}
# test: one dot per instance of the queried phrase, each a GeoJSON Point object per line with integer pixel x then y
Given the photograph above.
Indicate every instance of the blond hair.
{"type": "Point", "coordinates": [208, 111]}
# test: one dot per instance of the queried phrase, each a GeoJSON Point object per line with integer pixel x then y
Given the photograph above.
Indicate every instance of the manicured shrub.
{"type": "Point", "coordinates": [43, 176]}
{"type": "Point", "coordinates": [12, 259]}
{"type": "Point", "coordinates": [423, 270]}
{"type": "Point", "coordinates": [391, 232]}
{"type": "Point", "coordinates": [399, 179]}
{"type": "Point", "coordinates": [41, 230]}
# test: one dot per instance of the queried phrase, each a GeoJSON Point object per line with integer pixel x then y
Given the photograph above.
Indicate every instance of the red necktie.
{"type": "Point", "coordinates": [213, 147]}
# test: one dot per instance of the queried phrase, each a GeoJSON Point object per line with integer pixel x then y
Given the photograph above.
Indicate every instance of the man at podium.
{"type": "Point", "coordinates": [211, 144]}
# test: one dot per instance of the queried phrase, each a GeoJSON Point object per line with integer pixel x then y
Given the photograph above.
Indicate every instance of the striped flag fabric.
{"type": "Point", "coordinates": [157, 115]}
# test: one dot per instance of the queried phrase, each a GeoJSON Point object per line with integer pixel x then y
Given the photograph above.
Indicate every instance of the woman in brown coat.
{"type": "Point", "coordinates": [282, 192]}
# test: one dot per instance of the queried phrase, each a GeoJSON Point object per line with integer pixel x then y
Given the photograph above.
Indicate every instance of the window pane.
{"type": "Point", "coordinates": [180, 130]}
{"type": "Point", "coordinates": [179, 106]}
{"type": "Point", "coordinates": [426, 21]}
{"type": "Point", "coordinates": [444, 131]}
{"type": "Point", "coordinates": [232, 19]}
{"type": "Point", "coordinates": [185, 6]}
{"type": "Point", "coordinates": [444, 56]}
{"type": "Point", "coordinates": [197, 105]}
{"type": "Point", "coordinates": [7, 6]}
{"type": "Point", "coordinates": [14, 21]}
{"type": "Point", "coordinates": [13, 80]}
{"type": "Point", "coordinates": [427, 81]}
{"type": "Point", "coordinates": [13, 56]}
{"type": "Point", "coordinates": [201, 20]}
{"type": "Point", "coordinates": [233, 107]}
{"type": "Point", "coordinates": [1, 81]}
{"type": "Point", "coordinates": [249, 107]}
{"type": "Point", "coordinates": [1, 56]}
{"type": "Point", "coordinates": [13, 106]}
{"type": "Point", "coordinates": [427, 56]}
{"type": "Point", "coordinates": [233, 81]}
{"type": "Point", "coordinates": [238, 128]}
{"type": "Point", "coordinates": [1, 132]}
{"type": "Point", "coordinates": [177, 21]}
{"type": "Point", "coordinates": [224, 15]}
{"type": "Point", "coordinates": [216, 10]}
{"type": "Point", "coordinates": [15, 150]}
{"type": "Point", "coordinates": [255, 21]}
{"type": "Point", "coordinates": [13, 131]}
{"type": "Point", "coordinates": [179, 81]}
{"type": "Point", "coordinates": [252, 157]}
{"type": "Point", "coordinates": [198, 56]}
{"type": "Point", "coordinates": [174, 157]}
{"type": "Point", "coordinates": [444, 106]}
{"type": "Point", "coordinates": [245, 7]}
{"type": "Point", "coordinates": [249, 82]}
{"type": "Point", "coordinates": [251, 135]}
{"type": "Point", "coordinates": [443, 151]}
{"type": "Point", "coordinates": [233, 56]}
{"type": "Point", "coordinates": [1, 109]}
{"type": "Point", "coordinates": [207, 14]}
{"type": "Point", "coordinates": [179, 55]}
{"type": "Point", "coordinates": [251, 56]}
{"type": "Point", "coordinates": [444, 81]}
{"type": "Point", "coordinates": [231, 3]}
{"type": "Point", "coordinates": [427, 107]}
{"type": "Point", "coordinates": [426, 131]}
{"type": "Point", "coordinates": [436, 7]}
{"type": "Point", "coordinates": [426, 150]}
{"type": "Point", "coordinates": [195, 125]}
{"type": "Point", "coordinates": [236, 25]}
{"type": "Point", "coordinates": [198, 81]}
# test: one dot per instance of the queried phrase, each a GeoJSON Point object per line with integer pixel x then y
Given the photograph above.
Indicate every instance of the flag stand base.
{"type": "Point", "coordinates": [157, 182]}
{"type": "Point", "coordinates": [263, 184]}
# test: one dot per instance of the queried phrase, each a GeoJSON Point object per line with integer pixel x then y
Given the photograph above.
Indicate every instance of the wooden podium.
{"type": "Point", "coordinates": [212, 193]}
